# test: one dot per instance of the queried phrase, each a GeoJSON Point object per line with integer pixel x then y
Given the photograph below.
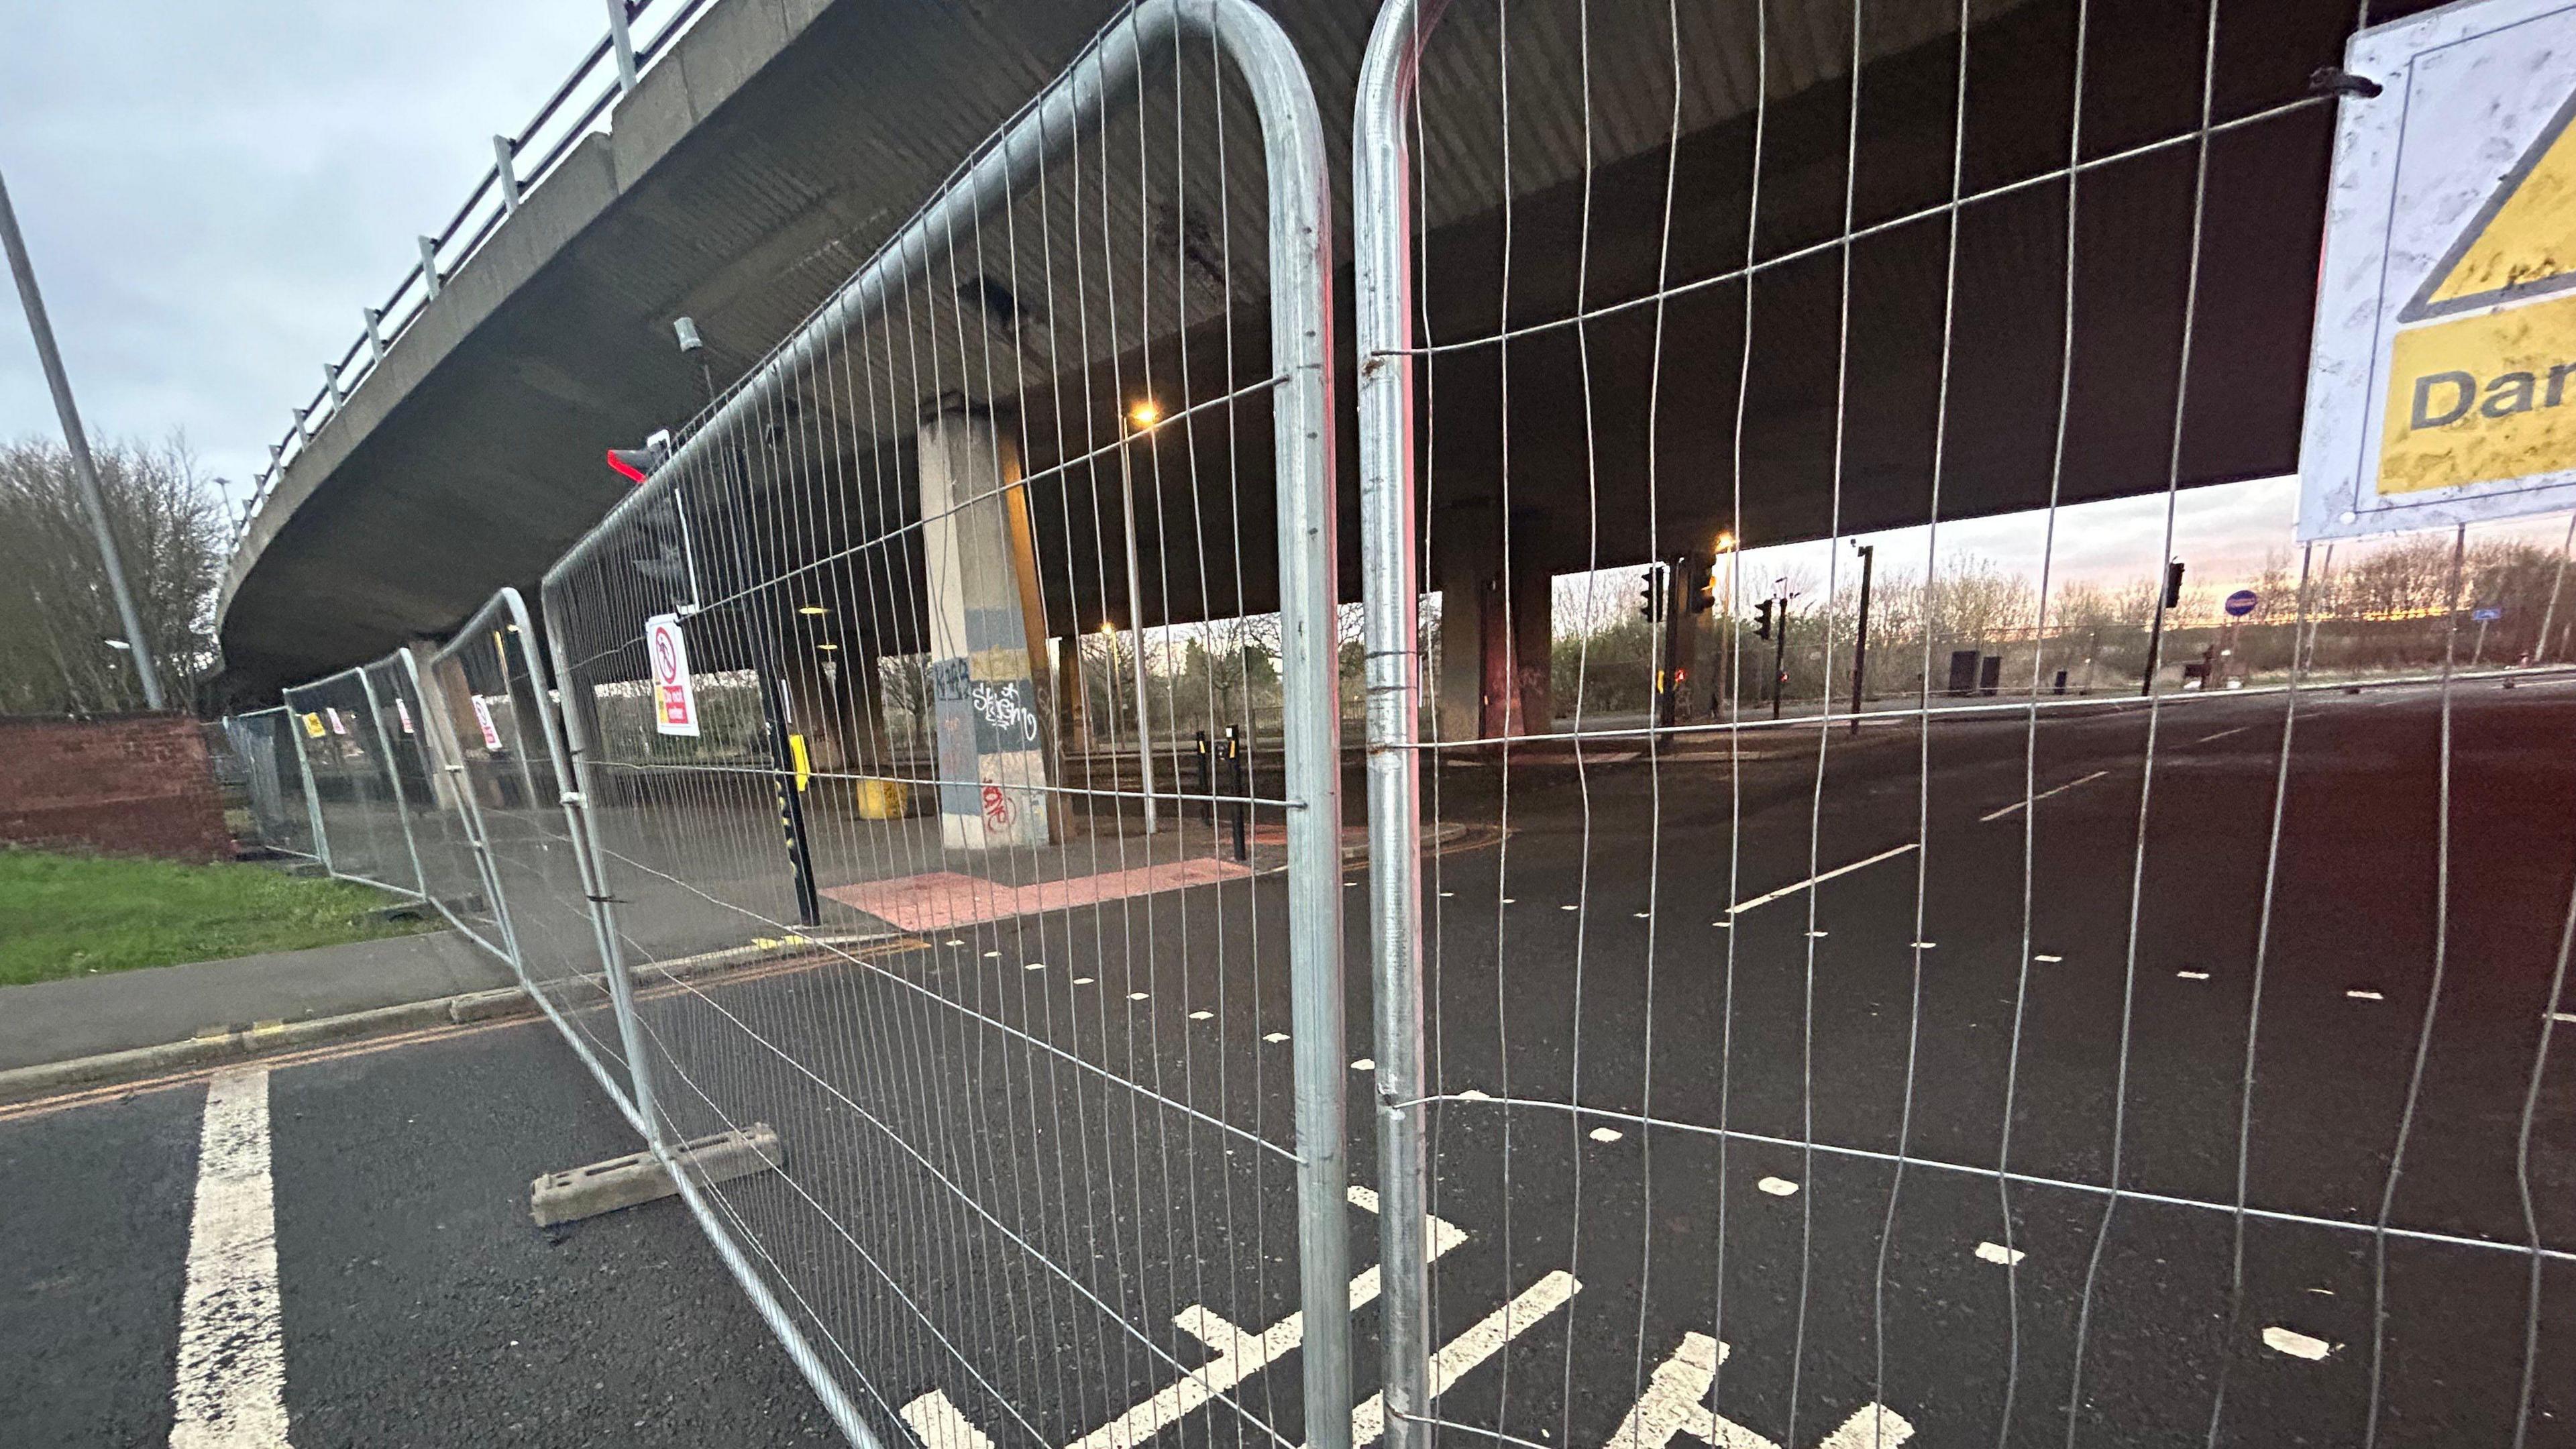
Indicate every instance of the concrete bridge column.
{"type": "Point", "coordinates": [982, 579]}
{"type": "Point", "coordinates": [1495, 664]}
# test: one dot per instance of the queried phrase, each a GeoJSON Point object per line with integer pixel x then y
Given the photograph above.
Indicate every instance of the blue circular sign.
{"type": "Point", "coordinates": [2240, 603]}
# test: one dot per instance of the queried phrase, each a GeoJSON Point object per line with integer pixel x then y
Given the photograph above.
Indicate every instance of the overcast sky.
{"type": "Point", "coordinates": [212, 191]}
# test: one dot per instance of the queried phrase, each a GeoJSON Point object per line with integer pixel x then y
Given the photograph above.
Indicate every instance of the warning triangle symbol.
{"type": "Point", "coordinates": [2522, 242]}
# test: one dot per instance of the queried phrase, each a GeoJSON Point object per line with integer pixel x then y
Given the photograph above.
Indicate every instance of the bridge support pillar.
{"type": "Point", "coordinates": [1494, 660]}
{"type": "Point", "coordinates": [983, 606]}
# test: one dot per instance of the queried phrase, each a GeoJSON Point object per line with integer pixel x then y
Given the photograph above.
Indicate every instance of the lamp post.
{"type": "Point", "coordinates": [1143, 416]}
{"type": "Point", "coordinates": [77, 442]}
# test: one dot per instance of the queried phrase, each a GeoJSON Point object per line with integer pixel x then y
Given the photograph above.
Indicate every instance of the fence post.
{"type": "Point", "coordinates": [574, 779]}
{"type": "Point", "coordinates": [393, 777]}
{"type": "Point", "coordinates": [622, 41]}
{"type": "Point", "coordinates": [1381, 217]}
{"type": "Point", "coordinates": [439, 749]}
{"type": "Point", "coordinates": [296, 732]}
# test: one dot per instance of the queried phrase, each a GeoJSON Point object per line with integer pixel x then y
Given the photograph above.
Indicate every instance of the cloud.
{"type": "Point", "coordinates": [212, 192]}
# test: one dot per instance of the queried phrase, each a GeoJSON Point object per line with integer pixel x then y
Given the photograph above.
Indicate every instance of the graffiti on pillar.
{"type": "Point", "coordinates": [997, 808]}
{"type": "Point", "coordinates": [948, 679]}
{"type": "Point", "coordinates": [1009, 722]}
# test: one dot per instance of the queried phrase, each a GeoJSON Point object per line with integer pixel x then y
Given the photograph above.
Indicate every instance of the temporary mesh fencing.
{"type": "Point", "coordinates": [356, 783]}
{"type": "Point", "coordinates": [1016, 1185]}
{"type": "Point", "coordinates": [266, 750]}
{"type": "Point", "coordinates": [1805, 1056]}
{"type": "Point", "coordinates": [1983, 1066]}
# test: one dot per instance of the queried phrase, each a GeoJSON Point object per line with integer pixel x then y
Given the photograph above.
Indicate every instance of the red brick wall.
{"type": "Point", "coordinates": [136, 784]}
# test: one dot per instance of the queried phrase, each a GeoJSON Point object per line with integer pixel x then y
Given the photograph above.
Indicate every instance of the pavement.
{"type": "Point", "coordinates": [1794, 1085]}
{"type": "Point", "coordinates": [52, 1021]}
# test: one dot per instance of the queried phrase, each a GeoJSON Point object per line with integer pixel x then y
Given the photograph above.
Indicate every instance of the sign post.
{"type": "Point", "coordinates": [2442, 376]}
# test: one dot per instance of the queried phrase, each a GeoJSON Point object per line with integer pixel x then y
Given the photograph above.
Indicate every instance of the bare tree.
{"type": "Point", "coordinates": [57, 617]}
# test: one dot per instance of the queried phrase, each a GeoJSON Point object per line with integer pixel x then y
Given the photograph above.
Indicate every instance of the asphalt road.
{"type": "Point", "coordinates": [1040, 1167]}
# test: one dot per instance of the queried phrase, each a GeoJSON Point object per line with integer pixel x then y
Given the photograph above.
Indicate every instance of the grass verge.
{"type": "Point", "coordinates": [69, 915]}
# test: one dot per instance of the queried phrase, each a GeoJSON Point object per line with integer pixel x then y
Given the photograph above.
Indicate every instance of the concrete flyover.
{"type": "Point", "coordinates": [768, 155]}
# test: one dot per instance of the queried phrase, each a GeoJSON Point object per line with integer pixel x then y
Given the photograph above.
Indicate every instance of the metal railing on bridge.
{"type": "Point", "coordinates": [521, 163]}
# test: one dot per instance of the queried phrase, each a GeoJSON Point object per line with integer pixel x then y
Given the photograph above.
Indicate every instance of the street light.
{"type": "Point", "coordinates": [1144, 414]}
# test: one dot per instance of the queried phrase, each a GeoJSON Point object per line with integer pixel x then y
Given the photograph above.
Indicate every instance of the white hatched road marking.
{"type": "Point", "coordinates": [1461, 1354]}
{"type": "Point", "coordinates": [1790, 890]}
{"type": "Point", "coordinates": [2295, 1343]}
{"type": "Point", "coordinates": [2042, 795]}
{"type": "Point", "coordinates": [231, 1388]}
{"type": "Point", "coordinates": [2222, 734]}
{"type": "Point", "coordinates": [1676, 1402]}
{"type": "Point", "coordinates": [1239, 1355]}
{"type": "Point", "coordinates": [940, 1425]}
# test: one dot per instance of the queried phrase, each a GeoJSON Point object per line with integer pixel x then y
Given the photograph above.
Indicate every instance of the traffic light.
{"type": "Point", "coordinates": [1762, 620]}
{"type": "Point", "coordinates": [2173, 584]}
{"type": "Point", "coordinates": [637, 464]}
{"type": "Point", "coordinates": [1704, 598]}
{"type": "Point", "coordinates": [1649, 598]}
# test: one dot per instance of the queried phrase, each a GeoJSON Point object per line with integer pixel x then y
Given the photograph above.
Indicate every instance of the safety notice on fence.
{"type": "Point", "coordinates": [402, 712]}
{"type": "Point", "coordinates": [483, 717]}
{"type": "Point", "coordinates": [2442, 381]}
{"type": "Point", "coordinates": [339, 726]}
{"type": "Point", "coordinates": [675, 698]}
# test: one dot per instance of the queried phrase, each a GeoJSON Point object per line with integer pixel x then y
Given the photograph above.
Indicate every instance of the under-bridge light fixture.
{"type": "Point", "coordinates": [1145, 413]}
{"type": "Point", "coordinates": [812, 609]}
{"type": "Point", "coordinates": [827, 646]}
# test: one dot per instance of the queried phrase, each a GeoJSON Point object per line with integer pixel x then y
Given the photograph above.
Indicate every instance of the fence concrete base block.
{"type": "Point", "coordinates": [638, 1177]}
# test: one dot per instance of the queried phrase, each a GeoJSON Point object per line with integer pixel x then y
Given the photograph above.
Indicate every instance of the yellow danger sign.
{"type": "Point", "coordinates": [313, 725]}
{"type": "Point", "coordinates": [2478, 372]}
{"type": "Point", "coordinates": [2442, 379]}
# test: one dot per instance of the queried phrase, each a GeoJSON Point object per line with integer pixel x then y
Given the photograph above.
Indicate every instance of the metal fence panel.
{"type": "Point", "coordinates": [488, 688]}
{"type": "Point", "coordinates": [1977, 1061]}
{"type": "Point", "coordinates": [264, 743]}
{"type": "Point", "coordinates": [1061, 1099]}
{"type": "Point", "coordinates": [439, 812]}
{"type": "Point", "coordinates": [356, 786]}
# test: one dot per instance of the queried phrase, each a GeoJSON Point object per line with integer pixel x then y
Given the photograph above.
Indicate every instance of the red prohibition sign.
{"type": "Point", "coordinates": [666, 662]}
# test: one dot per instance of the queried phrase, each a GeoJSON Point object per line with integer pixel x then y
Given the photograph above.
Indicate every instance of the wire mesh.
{"type": "Point", "coordinates": [264, 745]}
{"type": "Point", "coordinates": [438, 810]}
{"type": "Point", "coordinates": [357, 805]}
{"type": "Point", "coordinates": [1057, 1074]}
{"type": "Point", "coordinates": [1973, 1060]}
{"type": "Point", "coordinates": [488, 691]}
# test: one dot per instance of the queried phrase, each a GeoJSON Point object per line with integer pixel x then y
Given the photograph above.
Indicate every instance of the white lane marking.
{"type": "Point", "coordinates": [1812, 935]}
{"type": "Point", "coordinates": [1082, 981]}
{"type": "Point", "coordinates": [1462, 1354]}
{"type": "Point", "coordinates": [1202, 1016]}
{"type": "Point", "coordinates": [1274, 1037]}
{"type": "Point", "coordinates": [1034, 966]}
{"type": "Point", "coordinates": [1569, 908]}
{"type": "Point", "coordinates": [1874, 1426]}
{"type": "Point", "coordinates": [992, 955]}
{"type": "Point", "coordinates": [1998, 1253]}
{"type": "Point", "coordinates": [1473, 1095]}
{"type": "Point", "coordinates": [1363, 1065]}
{"type": "Point", "coordinates": [1604, 1134]}
{"type": "Point", "coordinates": [1643, 915]}
{"type": "Point", "coordinates": [1723, 925]}
{"type": "Point", "coordinates": [1239, 1355]}
{"type": "Point", "coordinates": [937, 1420]}
{"type": "Point", "coordinates": [1925, 945]}
{"type": "Point", "coordinates": [2193, 975]}
{"type": "Point", "coordinates": [2042, 795]}
{"type": "Point", "coordinates": [1509, 901]}
{"type": "Point", "coordinates": [2295, 1343]}
{"type": "Point", "coordinates": [1790, 890]}
{"type": "Point", "coordinates": [231, 1388]}
{"type": "Point", "coordinates": [1444, 895]}
{"type": "Point", "coordinates": [1676, 1402]}
{"type": "Point", "coordinates": [953, 941]}
{"type": "Point", "coordinates": [2358, 994]}
{"type": "Point", "coordinates": [2222, 734]}
{"type": "Point", "coordinates": [1777, 1186]}
{"type": "Point", "coordinates": [1137, 995]}
{"type": "Point", "coordinates": [2048, 958]}
{"type": "Point", "coordinates": [2562, 1016]}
